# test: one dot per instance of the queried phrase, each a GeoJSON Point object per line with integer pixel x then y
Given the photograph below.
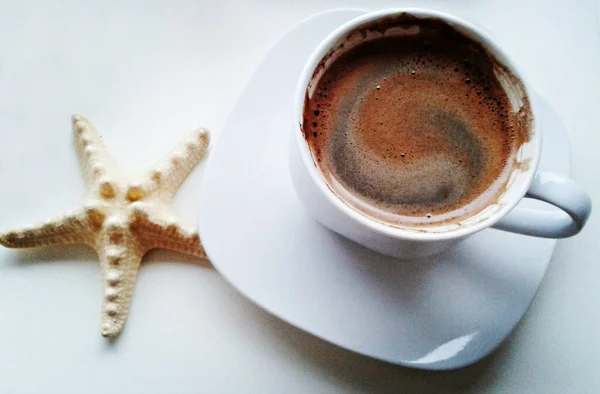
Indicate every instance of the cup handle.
{"type": "Point", "coordinates": [559, 191]}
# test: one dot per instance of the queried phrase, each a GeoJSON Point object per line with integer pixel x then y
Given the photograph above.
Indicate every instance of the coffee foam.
{"type": "Point", "coordinates": [414, 128]}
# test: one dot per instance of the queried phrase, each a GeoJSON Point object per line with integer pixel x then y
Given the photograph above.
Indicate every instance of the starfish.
{"type": "Point", "coordinates": [123, 217]}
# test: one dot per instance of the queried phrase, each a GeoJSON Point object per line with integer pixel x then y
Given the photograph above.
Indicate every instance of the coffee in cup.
{"type": "Point", "coordinates": [414, 128]}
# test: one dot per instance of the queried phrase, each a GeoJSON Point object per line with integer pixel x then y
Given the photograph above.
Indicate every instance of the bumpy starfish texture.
{"type": "Point", "coordinates": [123, 217]}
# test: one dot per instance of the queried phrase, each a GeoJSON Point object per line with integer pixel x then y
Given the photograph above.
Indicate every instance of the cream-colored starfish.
{"type": "Point", "coordinates": [123, 217]}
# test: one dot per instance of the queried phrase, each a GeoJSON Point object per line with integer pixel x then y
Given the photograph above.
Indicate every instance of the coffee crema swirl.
{"type": "Point", "coordinates": [414, 129]}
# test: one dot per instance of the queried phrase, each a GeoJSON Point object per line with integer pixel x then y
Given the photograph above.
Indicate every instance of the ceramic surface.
{"type": "Point", "coordinates": [439, 313]}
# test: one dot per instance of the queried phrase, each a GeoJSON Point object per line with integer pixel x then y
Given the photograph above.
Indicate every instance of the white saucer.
{"type": "Point", "coordinates": [442, 313]}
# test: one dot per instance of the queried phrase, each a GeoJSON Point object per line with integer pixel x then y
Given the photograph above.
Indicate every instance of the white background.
{"type": "Point", "coordinates": [148, 72]}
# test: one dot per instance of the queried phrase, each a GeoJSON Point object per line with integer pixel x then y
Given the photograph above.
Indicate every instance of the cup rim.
{"type": "Point", "coordinates": [318, 179]}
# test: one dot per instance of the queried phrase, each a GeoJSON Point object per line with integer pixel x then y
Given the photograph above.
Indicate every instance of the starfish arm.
{"type": "Point", "coordinates": [71, 228]}
{"type": "Point", "coordinates": [99, 168]}
{"type": "Point", "coordinates": [170, 172]}
{"type": "Point", "coordinates": [119, 264]}
{"type": "Point", "coordinates": [159, 229]}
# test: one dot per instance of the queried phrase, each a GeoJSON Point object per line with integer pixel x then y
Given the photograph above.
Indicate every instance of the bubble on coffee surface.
{"type": "Point", "coordinates": [413, 129]}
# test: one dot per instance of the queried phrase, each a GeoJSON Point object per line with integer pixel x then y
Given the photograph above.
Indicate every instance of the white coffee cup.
{"type": "Point", "coordinates": [525, 182]}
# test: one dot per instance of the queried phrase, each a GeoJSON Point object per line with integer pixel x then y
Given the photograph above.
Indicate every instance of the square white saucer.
{"type": "Point", "coordinates": [441, 313]}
